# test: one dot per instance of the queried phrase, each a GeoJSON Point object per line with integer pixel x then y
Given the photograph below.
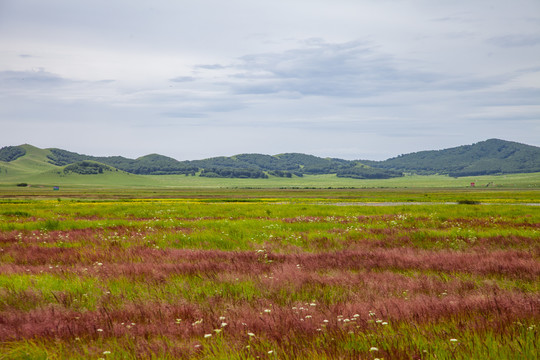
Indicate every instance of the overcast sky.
{"type": "Point", "coordinates": [190, 79]}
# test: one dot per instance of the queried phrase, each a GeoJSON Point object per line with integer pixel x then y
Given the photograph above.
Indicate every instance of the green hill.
{"type": "Point", "coordinates": [153, 164]}
{"type": "Point", "coordinates": [488, 157]}
{"type": "Point", "coordinates": [252, 166]}
{"type": "Point", "coordinates": [33, 161]}
{"type": "Point", "coordinates": [27, 163]}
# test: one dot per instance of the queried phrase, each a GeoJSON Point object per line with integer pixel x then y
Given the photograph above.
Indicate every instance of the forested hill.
{"type": "Point", "coordinates": [153, 164]}
{"type": "Point", "coordinates": [492, 156]}
{"type": "Point", "coordinates": [238, 166]}
{"type": "Point", "coordinates": [487, 157]}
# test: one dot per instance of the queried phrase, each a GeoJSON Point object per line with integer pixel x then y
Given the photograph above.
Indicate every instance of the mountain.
{"type": "Point", "coordinates": [492, 156]}
{"type": "Point", "coordinates": [488, 157]}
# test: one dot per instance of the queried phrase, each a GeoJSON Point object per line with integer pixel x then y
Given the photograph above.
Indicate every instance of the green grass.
{"type": "Point", "coordinates": [107, 274]}
{"type": "Point", "coordinates": [124, 180]}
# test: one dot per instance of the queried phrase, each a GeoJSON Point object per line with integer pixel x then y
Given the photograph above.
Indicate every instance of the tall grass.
{"type": "Point", "coordinates": [182, 279]}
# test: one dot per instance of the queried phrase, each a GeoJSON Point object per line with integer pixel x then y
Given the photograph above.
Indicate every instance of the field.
{"type": "Point", "coordinates": [270, 274]}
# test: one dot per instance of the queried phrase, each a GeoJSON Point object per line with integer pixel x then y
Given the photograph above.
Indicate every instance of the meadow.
{"type": "Point", "coordinates": [269, 274]}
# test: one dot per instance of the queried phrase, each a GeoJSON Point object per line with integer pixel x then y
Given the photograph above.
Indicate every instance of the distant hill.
{"type": "Point", "coordinates": [492, 156]}
{"type": "Point", "coordinates": [153, 164]}
{"type": "Point", "coordinates": [238, 166]}
{"type": "Point", "coordinates": [488, 157]}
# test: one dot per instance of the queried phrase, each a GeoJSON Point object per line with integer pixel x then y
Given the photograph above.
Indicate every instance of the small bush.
{"type": "Point", "coordinates": [468, 202]}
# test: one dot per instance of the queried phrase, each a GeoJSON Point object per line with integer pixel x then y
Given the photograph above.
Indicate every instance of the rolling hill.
{"type": "Point", "coordinates": [488, 157]}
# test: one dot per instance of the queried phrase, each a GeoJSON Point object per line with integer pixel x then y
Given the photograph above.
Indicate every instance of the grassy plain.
{"type": "Point", "coordinates": [269, 273]}
{"type": "Point", "coordinates": [123, 180]}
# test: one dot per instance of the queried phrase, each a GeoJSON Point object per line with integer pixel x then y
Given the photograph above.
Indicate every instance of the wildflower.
{"type": "Point", "coordinates": [267, 311]}
{"type": "Point", "coordinates": [378, 321]}
{"type": "Point", "coordinates": [373, 348]}
{"type": "Point", "coordinates": [99, 330]}
{"type": "Point", "coordinates": [313, 304]}
{"type": "Point", "coordinates": [308, 316]}
{"type": "Point", "coordinates": [223, 324]}
{"type": "Point", "coordinates": [271, 351]}
{"type": "Point", "coordinates": [178, 321]}
{"type": "Point", "coordinates": [218, 330]}
{"type": "Point", "coordinates": [222, 318]}
{"type": "Point", "coordinates": [250, 334]}
{"type": "Point", "coordinates": [325, 321]}
{"type": "Point", "coordinates": [356, 315]}
{"type": "Point", "coordinates": [206, 336]}
{"type": "Point", "coordinates": [384, 323]}
{"type": "Point", "coordinates": [453, 340]}
{"type": "Point", "coordinates": [106, 352]}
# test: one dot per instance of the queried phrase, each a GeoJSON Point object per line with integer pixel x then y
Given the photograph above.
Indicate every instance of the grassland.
{"type": "Point", "coordinates": [123, 180]}
{"type": "Point", "coordinates": [283, 273]}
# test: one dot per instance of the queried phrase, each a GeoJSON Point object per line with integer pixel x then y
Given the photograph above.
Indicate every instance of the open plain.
{"type": "Point", "coordinates": [269, 273]}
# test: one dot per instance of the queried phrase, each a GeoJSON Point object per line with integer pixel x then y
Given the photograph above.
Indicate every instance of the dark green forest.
{"type": "Point", "coordinates": [10, 153]}
{"type": "Point", "coordinates": [87, 168]}
{"type": "Point", "coordinates": [488, 157]}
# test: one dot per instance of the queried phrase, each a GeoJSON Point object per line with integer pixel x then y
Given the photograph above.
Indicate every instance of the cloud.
{"type": "Point", "coordinates": [210, 67]}
{"type": "Point", "coordinates": [511, 97]}
{"type": "Point", "coordinates": [353, 69]}
{"type": "Point", "coordinates": [515, 40]}
{"type": "Point", "coordinates": [184, 115]}
{"type": "Point", "coordinates": [37, 78]}
{"type": "Point", "coordinates": [180, 79]}
{"type": "Point", "coordinates": [327, 69]}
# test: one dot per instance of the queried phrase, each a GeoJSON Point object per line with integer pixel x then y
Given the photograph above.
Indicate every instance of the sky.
{"type": "Point", "coordinates": [192, 79]}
